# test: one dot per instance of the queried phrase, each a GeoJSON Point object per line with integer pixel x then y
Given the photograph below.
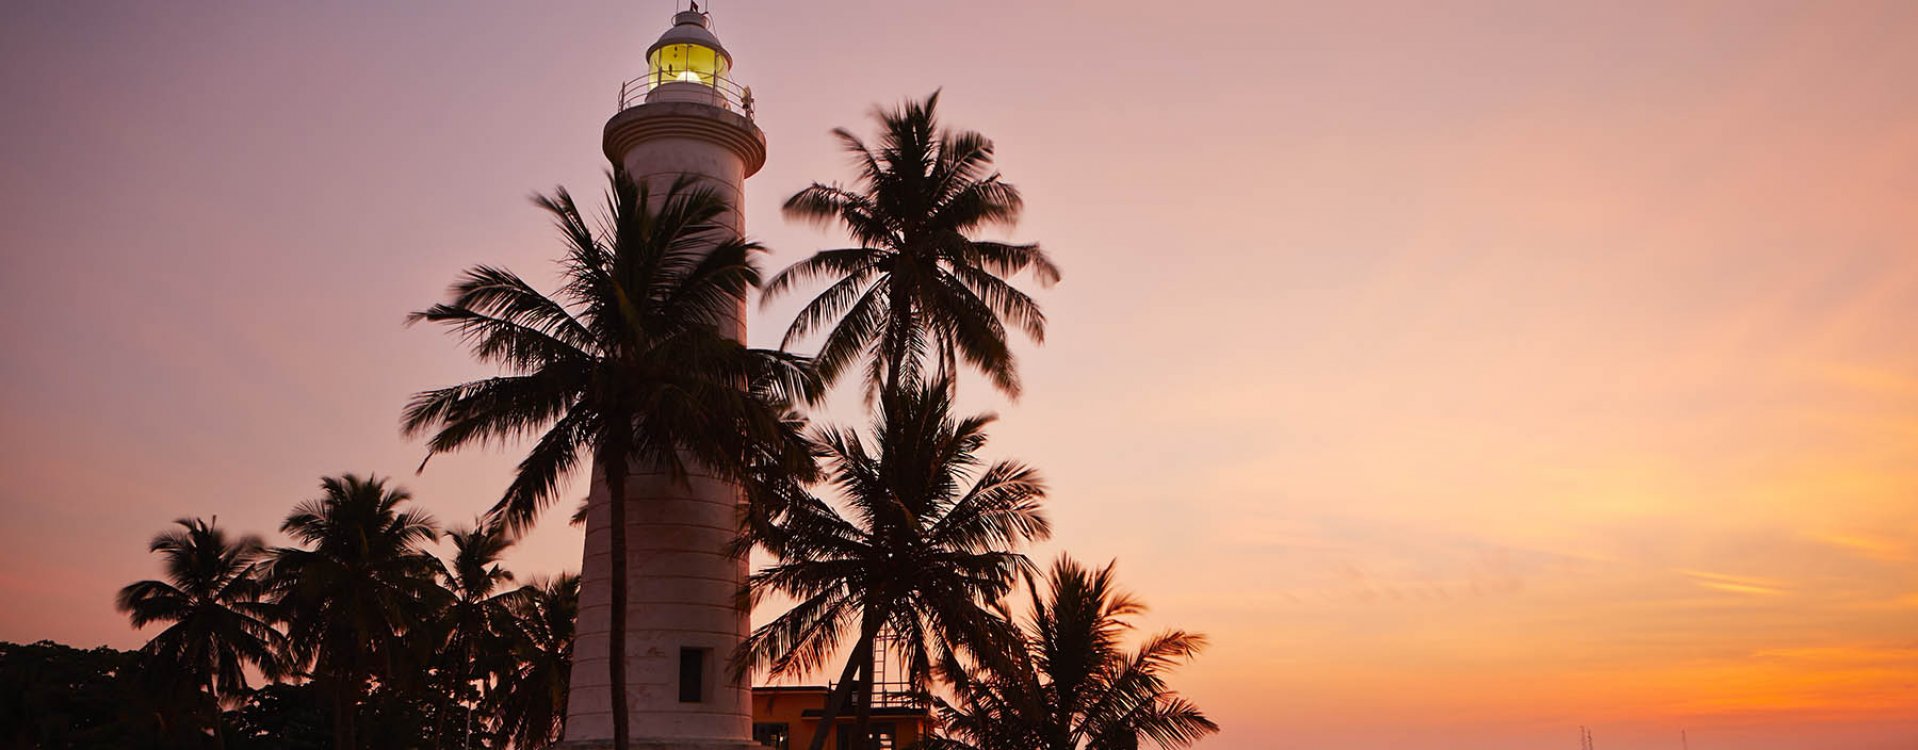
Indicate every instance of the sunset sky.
{"type": "Point", "coordinates": [1468, 372]}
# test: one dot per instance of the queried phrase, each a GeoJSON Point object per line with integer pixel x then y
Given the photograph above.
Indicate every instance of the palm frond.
{"type": "Point", "coordinates": [919, 191]}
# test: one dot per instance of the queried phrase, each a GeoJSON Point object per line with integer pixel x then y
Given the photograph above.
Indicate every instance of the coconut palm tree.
{"type": "Point", "coordinates": [1072, 685]}
{"type": "Point", "coordinates": [214, 600]}
{"type": "Point", "coordinates": [359, 593]}
{"type": "Point", "coordinates": [630, 363]}
{"type": "Point", "coordinates": [529, 706]}
{"type": "Point", "coordinates": [923, 537]}
{"type": "Point", "coordinates": [471, 650]}
{"type": "Point", "coordinates": [918, 283]}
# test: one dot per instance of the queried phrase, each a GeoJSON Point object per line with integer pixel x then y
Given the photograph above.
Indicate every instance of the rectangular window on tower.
{"type": "Point", "coordinates": [692, 675]}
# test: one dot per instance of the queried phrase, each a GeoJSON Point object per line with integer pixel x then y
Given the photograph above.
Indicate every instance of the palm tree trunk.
{"type": "Point", "coordinates": [219, 733]}
{"type": "Point", "coordinates": [479, 702]}
{"type": "Point", "coordinates": [345, 703]}
{"type": "Point", "coordinates": [444, 703]}
{"type": "Point", "coordinates": [614, 467]}
{"type": "Point", "coordinates": [445, 706]}
{"type": "Point", "coordinates": [848, 679]}
{"type": "Point", "coordinates": [862, 723]}
{"type": "Point", "coordinates": [896, 329]}
{"type": "Point", "coordinates": [457, 693]}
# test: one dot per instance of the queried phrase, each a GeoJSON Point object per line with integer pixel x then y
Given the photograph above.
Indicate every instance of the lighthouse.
{"type": "Point", "coordinates": [685, 118]}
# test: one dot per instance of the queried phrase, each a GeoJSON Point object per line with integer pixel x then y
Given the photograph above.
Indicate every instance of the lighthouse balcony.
{"type": "Point", "coordinates": [687, 86]}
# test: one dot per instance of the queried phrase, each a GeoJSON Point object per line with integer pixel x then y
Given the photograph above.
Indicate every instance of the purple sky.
{"type": "Point", "coordinates": [1469, 372]}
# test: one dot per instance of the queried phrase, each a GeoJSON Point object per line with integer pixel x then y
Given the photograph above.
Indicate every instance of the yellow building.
{"type": "Point", "coordinates": [787, 718]}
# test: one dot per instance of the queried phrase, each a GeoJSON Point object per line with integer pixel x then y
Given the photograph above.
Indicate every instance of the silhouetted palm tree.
{"type": "Point", "coordinates": [1073, 685]}
{"type": "Point", "coordinates": [472, 648]}
{"type": "Point", "coordinates": [630, 363]}
{"type": "Point", "coordinates": [214, 600]}
{"type": "Point", "coordinates": [919, 283]}
{"type": "Point", "coordinates": [923, 537]}
{"type": "Point", "coordinates": [529, 706]}
{"type": "Point", "coordinates": [353, 595]}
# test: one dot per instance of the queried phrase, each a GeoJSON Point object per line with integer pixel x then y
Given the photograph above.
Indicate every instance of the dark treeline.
{"type": "Point", "coordinates": [361, 636]}
{"type": "Point", "coordinates": [902, 536]}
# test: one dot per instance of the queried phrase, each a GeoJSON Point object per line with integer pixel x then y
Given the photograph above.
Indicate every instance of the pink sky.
{"type": "Point", "coordinates": [1468, 373]}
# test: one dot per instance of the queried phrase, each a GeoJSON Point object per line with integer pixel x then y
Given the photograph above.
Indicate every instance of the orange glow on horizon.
{"type": "Point", "coordinates": [1468, 373]}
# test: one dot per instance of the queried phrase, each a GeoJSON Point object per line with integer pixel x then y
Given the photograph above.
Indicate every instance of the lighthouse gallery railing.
{"type": "Point", "coordinates": [725, 94]}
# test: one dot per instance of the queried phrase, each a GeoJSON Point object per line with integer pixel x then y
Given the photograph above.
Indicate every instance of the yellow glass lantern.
{"type": "Point", "coordinates": [688, 53]}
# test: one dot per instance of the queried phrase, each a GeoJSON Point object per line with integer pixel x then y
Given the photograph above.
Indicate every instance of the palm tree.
{"type": "Point", "coordinates": [918, 283]}
{"type": "Point", "coordinates": [358, 589]}
{"type": "Point", "coordinates": [1072, 684]}
{"type": "Point", "coordinates": [630, 363]}
{"type": "Point", "coordinates": [473, 623]}
{"type": "Point", "coordinates": [214, 600]}
{"type": "Point", "coordinates": [529, 706]}
{"type": "Point", "coordinates": [925, 535]}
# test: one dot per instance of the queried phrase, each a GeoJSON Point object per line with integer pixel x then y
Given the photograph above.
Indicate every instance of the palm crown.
{"type": "Point", "coordinates": [918, 285]}
{"type": "Point", "coordinates": [634, 361]}
{"type": "Point", "coordinates": [472, 630]}
{"type": "Point", "coordinates": [1071, 683]}
{"type": "Point", "coordinates": [631, 358]}
{"type": "Point", "coordinates": [925, 534]}
{"type": "Point", "coordinates": [530, 706]}
{"type": "Point", "coordinates": [358, 588]}
{"type": "Point", "coordinates": [220, 621]}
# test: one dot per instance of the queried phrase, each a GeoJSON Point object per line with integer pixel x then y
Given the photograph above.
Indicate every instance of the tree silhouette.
{"type": "Point", "coordinates": [918, 284]}
{"type": "Point", "coordinates": [1071, 684]}
{"type": "Point", "coordinates": [355, 593]}
{"type": "Point", "coordinates": [631, 363]}
{"type": "Point", "coordinates": [214, 602]}
{"type": "Point", "coordinates": [529, 708]}
{"type": "Point", "coordinates": [923, 537]}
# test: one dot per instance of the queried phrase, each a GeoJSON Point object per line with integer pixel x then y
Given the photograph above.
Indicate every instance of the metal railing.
{"type": "Point", "coordinates": [721, 92]}
{"type": "Point", "coordinates": [886, 695]}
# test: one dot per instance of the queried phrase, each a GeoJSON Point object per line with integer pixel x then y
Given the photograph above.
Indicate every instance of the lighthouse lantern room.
{"type": "Point", "coordinates": [688, 64]}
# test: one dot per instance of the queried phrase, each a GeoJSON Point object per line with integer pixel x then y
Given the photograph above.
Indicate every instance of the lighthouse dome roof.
{"type": "Point", "coordinates": [690, 27]}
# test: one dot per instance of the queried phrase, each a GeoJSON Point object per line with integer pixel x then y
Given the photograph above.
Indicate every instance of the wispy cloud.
{"type": "Point", "coordinates": [1736, 584]}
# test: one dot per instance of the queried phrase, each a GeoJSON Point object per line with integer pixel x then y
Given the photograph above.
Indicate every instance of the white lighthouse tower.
{"type": "Point", "coordinates": [685, 118]}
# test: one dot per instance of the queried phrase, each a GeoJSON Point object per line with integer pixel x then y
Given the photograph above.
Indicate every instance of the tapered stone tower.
{"type": "Point", "coordinates": [685, 117]}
